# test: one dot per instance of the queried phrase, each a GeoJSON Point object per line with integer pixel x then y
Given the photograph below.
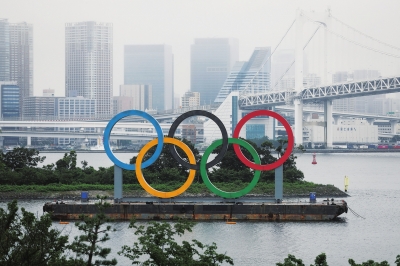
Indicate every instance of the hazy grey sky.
{"type": "Point", "coordinates": [177, 23]}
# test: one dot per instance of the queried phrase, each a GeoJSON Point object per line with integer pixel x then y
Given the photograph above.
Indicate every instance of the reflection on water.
{"type": "Point", "coordinates": [374, 186]}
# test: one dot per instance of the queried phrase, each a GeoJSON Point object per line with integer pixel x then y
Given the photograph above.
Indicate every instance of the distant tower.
{"type": "Point", "coordinates": [21, 58]}
{"type": "Point", "coordinates": [89, 63]}
{"type": "Point", "coordinates": [4, 50]}
{"type": "Point", "coordinates": [152, 65]}
{"type": "Point", "coordinates": [211, 60]}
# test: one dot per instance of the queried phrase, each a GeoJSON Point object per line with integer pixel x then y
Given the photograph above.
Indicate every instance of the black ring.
{"type": "Point", "coordinates": [219, 123]}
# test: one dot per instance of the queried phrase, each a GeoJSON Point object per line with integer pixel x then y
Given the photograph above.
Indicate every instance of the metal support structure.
{"type": "Point", "coordinates": [117, 183]}
{"type": "Point", "coordinates": [279, 184]}
{"type": "Point", "coordinates": [298, 121]}
{"type": "Point", "coordinates": [328, 138]}
{"type": "Point", "coordinates": [299, 58]}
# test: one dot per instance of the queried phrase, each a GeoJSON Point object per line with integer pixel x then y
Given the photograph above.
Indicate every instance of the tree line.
{"type": "Point", "coordinates": [20, 167]}
{"type": "Point", "coordinates": [29, 240]}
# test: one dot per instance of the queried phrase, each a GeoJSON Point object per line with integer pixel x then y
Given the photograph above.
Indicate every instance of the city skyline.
{"type": "Point", "coordinates": [256, 24]}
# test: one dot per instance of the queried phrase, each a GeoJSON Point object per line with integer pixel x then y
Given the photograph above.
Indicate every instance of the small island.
{"type": "Point", "coordinates": [21, 178]}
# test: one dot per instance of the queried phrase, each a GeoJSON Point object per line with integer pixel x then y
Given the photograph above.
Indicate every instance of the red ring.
{"type": "Point", "coordinates": [281, 160]}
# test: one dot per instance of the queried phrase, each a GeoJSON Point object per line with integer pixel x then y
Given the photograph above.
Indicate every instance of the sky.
{"type": "Point", "coordinates": [177, 23]}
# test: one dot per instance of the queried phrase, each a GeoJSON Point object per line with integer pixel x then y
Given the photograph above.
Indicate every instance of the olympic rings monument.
{"type": "Point", "coordinates": [227, 206]}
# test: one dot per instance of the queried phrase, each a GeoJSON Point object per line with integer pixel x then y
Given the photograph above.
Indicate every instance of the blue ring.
{"type": "Point", "coordinates": [111, 124]}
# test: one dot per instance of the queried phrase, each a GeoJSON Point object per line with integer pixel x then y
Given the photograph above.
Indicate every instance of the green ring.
{"type": "Point", "coordinates": [214, 189]}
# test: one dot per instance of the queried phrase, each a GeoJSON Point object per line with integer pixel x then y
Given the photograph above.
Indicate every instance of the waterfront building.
{"type": "Point", "coordinates": [211, 60]}
{"type": "Point", "coordinates": [75, 108]}
{"type": "Point", "coordinates": [253, 74]}
{"type": "Point", "coordinates": [9, 99]}
{"type": "Point", "coordinates": [152, 65]}
{"type": "Point", "coordinates": [39, 107]}
{"type": "Point", "coordinates": [191, 98]}
{"type": "Point", "coordinates": [89, 63]}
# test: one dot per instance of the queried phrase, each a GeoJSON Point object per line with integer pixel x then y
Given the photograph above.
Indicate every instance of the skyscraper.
{"type": "Point", "coordinates": [16, 56]}
{"type": "Point", "coordinates": [256, 71]}
{"type": "Point", "coordinates": [152, 65]}
{"type": "Point", "coordinates": [4, 50]}
{"type": "Point", "coordinates": [88, 63]}
{"type": "Point", "coordinates": [211, 60]}
{"type": "Point", "coordinates": [21, 58]}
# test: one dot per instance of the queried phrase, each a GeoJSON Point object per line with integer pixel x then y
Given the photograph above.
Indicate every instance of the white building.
{"type": "Point", "coordinates": [89, 63]}
{"type": "Point", "coordinates": [191, 98]}
{"type": "Point", "coordinates": [346, 131]}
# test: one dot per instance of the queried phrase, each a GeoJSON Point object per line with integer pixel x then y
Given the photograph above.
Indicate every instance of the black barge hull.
{"type": "Point", "coordinates": [203, 211]}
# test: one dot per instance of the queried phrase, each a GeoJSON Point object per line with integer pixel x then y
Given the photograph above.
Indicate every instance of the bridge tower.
{"type": "Point", "coordinates": [324, 18]}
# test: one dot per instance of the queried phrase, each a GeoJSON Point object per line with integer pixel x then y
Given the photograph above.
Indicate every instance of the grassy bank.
{"type": "Point", "coordinates": [296, 189]}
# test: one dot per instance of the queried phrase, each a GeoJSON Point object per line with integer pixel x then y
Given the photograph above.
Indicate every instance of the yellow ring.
{"type": "Point", "coordinates": [147, 187]}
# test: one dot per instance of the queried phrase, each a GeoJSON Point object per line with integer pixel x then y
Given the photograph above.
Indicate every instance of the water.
{"type": "Point", "coordinates": [374, 189]}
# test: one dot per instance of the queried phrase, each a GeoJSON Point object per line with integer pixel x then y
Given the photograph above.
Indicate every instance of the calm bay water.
{"type": "Point", "coordinates": [375, 194]}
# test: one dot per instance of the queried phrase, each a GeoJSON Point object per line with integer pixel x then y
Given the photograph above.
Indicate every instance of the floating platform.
{"type": "Point", "coordinates": [203, 211]}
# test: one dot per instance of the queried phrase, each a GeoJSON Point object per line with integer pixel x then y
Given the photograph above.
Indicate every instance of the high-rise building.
{"type": "Point", "coordinates": [4, 50]}
{"type": "Point", "coordinates": [21, 58]}
{"type": "Point", "coordinates": [89, 63]}
{"type": "Point", "coordinates": [16, 56]}
{"type": "Point", "coordinates": [191, 98]}
{"type": "Point", "coordinates": [211, 60]}
{"type": "Point", "coordinates": [152, 65]}
{"type": "Point", "coordinates": [133, 97]}
{"type": "Point", "coordinates": [256, 71]}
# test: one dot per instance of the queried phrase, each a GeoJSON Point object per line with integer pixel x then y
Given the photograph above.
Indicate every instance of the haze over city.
{"type": "Point", "coordinates": [178, 23]}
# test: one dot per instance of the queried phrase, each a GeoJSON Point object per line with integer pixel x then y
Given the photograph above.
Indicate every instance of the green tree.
{"type": "Point", "coordinates": [291, 260]}
{"type": "Point", "coordinates": [87, 246]}
{"type": "Point", "coordinates": [157, 241]}
{"type": "Point", "coordinates": [27, 240]}
{"type": "Point", "coordinates": [320, 260]}
{"type": "Point", "coordinates": [166, 168]}
{"type": "Point", "coordinates": [20, 158]}
{"type": "Point", "coordinates": [369, 263]}
{"type": "Point", "coordinates": [68, 162]}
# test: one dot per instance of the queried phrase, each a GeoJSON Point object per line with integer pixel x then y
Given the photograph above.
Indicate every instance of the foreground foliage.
{"type": "Point", "coordinates": [320, 260]}
{"type": "Point", "coordinates": [87, 246]}
{"type": "Point", "coordinates": [157, 241]}
{"type": "Point", "coordinates": [29, 240]}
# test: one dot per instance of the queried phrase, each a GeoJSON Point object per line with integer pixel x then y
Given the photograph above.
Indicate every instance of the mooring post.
{"type": "Point", "coordinates": [279, 184]}
{"type": "Point", "coordinates": [117, 183]}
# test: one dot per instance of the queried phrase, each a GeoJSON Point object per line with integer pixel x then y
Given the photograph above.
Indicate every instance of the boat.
{"type": "Point", "coordinates": [203, 211]}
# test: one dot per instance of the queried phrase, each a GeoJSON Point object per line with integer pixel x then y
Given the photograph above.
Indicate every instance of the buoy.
{"type": "Point", "coordinates": [346, 183]}
{"type": "Point", "coordinates": [230, 222]}
{"type": "Point", "coordinates": [314, 161]}
{"type": "Point", "coordinates": [64, 222]}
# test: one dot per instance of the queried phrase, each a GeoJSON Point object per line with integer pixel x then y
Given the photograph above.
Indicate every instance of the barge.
{"type": "Point", "coordinates": [203, 211]}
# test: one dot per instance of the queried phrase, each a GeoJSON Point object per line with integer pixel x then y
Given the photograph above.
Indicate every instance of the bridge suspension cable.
{"type": "Point", "coordinates": [365, 35]}
{"type": "Point", "coordinates": [362, 45]}
{"type": "Point", "coordinates": [304, 47]}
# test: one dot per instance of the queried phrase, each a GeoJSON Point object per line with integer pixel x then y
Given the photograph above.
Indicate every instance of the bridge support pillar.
{"type": "Point", "coordinates": [393, 124]}
{"type": "Point", "coordinates": [29, 141]}
{"type": "Point", "coordinates": [279, 184]}
{"type": "Point", "coordinates": [117, 183]}
{"type": "Point", "coordinates": [298, 121]}
{"type": "Point", "coordinates": [328, 138]}
{"type": "Point", "coordinates": [370, 121]}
